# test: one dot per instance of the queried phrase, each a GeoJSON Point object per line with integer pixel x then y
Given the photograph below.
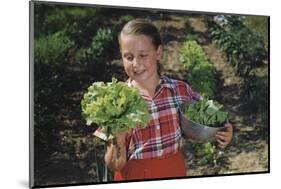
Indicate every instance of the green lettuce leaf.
{"type": "Point", "coordinates": [114, 106]}
{"type": "Point", "coordinates": [207, 112]}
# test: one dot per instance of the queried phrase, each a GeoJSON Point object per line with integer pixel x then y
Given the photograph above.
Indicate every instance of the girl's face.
{"type": "Point", "coordinates": [140, 57]}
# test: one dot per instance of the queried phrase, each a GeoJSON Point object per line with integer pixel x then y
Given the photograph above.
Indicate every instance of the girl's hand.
{"type": "Point", "coordinates": [116, 154]}
{"type": "Point", "coordinates": [121, 138]}
{"type": "Point", "coordinates": [224, 137]}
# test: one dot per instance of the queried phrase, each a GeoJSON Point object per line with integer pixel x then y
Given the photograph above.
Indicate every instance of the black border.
{"type": "Point", "coordinates": [142, 8]}
{"type": "Point", "coordinates": [31, 90]}
{"type": "Point", "coordinates": [268, 76]}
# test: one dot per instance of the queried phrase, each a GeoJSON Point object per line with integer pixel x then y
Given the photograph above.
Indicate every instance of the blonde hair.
{"type": "Point", "coordinates": [143, 27]}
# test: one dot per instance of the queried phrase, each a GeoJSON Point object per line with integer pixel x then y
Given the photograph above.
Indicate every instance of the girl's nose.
{"type": "Point", "coordinates": [135, 63]}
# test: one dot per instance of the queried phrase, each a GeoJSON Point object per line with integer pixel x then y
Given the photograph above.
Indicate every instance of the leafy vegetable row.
{"type": "Point", "coordinates": [201, 74]}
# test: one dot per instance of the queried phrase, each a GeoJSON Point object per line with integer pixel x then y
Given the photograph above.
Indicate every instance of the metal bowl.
{"type": "Point", "coordinates": [199, 132]}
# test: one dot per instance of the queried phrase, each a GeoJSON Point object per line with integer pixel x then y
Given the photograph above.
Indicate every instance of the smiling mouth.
{"type": "Point", "coordinates": [139, 72]}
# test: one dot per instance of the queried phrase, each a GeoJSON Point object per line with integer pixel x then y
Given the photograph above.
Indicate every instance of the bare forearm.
{"type": "Point", "coordinates": [120, 161]}
{"type": "Point", "coordinates": [115, 157]}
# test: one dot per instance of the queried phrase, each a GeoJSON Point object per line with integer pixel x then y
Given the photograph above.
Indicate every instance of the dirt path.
{"type": "Point", "coordinates": [248, 151]}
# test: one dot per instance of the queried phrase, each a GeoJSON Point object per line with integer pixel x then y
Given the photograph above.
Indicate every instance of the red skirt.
{"type": "Point", "coordinates": [170, 167]}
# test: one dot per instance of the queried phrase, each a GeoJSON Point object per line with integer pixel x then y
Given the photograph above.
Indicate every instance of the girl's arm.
{"type": "Point", "coordinates": [116, 154]}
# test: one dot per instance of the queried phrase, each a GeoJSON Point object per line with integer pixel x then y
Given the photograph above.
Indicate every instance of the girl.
{"type": "Point", "coordinates": [156, 150]}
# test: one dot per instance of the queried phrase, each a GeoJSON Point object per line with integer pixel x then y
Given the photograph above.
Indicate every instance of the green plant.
{"type": "Point", "coordinates": [124, 19]}
{"type": "Point", "coordinates": [101, 49]}
{"type": "Point", "coordinates": [208, 153]}
{"type": "Point", "coordinates": [243, 48]}
{"type": "Point", "coordinates": [207, 112]}
{"type": "Point", "coordinates": [101, 42]}
{"type": "Point", "coordinates": [201, 74]}
{"type": "Point", "coordinates": [205, 153]}
{"type": "Point", "coordinates": [258, 24]}
{"type": "Point", "coordinates": [114, 106]}
{"type": "Point", "coordinates": [246, 51]}
{"type": "Point", "coordinates": [51, 49]}
{"type": "Point", "coordinates": [79, 24]}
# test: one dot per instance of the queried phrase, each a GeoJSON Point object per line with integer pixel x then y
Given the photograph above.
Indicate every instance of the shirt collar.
{"type": "Point", "coordinates": [165, 82]}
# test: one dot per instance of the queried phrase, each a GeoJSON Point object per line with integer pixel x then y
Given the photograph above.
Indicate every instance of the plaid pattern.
{"type": "Point", "coordinates": [161, 138]}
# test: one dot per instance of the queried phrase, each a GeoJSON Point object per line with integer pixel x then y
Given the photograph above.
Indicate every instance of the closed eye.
{"type": "Point", "coordinates": [143, 55]}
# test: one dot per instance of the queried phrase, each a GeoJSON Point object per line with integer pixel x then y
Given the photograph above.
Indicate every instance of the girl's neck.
{"type": "Point", "coordinates": [148, 87]}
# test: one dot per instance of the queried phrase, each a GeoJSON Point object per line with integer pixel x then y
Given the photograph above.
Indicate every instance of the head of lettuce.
{"type": "Point", "coordinates": [114, 106]}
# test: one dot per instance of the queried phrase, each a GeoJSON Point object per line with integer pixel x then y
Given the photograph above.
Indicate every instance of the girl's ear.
{"type": "Point", "coordinates": [159, 52]}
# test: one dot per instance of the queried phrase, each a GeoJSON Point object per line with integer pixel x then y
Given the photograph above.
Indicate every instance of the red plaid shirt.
{"type": "Point", "coordinates": [162, 136]}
